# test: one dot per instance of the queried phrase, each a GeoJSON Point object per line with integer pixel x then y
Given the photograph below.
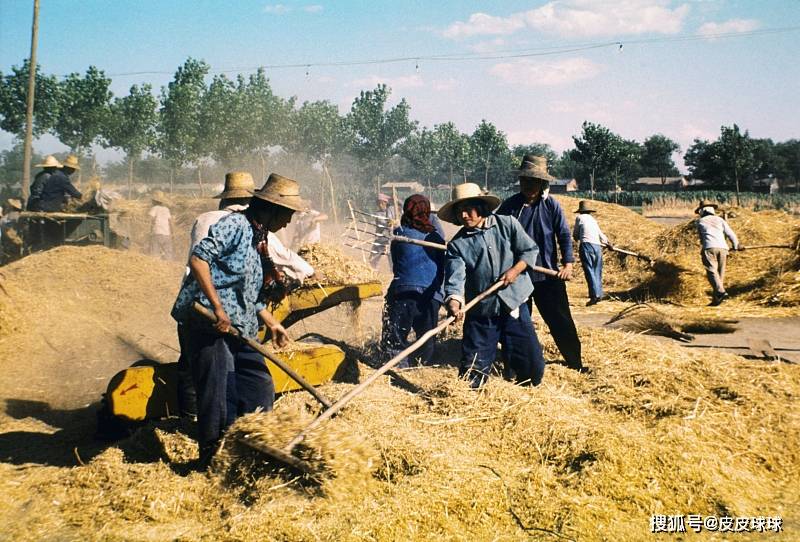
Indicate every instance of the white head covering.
{"type": "Point", "coordinates": [707, 211]}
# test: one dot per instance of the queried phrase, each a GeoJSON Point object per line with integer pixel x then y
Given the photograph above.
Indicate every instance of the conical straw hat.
{"type": "Point", "coordinates": [49, 161]}
{"type": "Point", "coordinates": [282, 191]}
{"type": "Point", "coordinates": [463, 192]}
{"type": "Point", "coordinates": [72, 162]}
{"type": "Point", "coordinates": [238, 184]}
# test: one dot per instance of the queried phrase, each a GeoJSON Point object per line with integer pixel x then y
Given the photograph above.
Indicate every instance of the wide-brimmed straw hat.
{"type": "Point", "coordinates": [463, 192]}
{"type": "Point", "coordinates": [534, 167]}
{"type": "Point", "coordinates": [71, 162]}
{"type": "Point", "coordinates": [14, 203]}
{"type": "Point", "coordinates": [282, 191]}
{"type": "Point", "coordinates": [49, 161]}
{"type": "Point", "coordinates": [706, 203]}
{"type": "Point", "coordinates": [585, 207]}
{"type": "Point", "coordinates": [238, 184]}
{"type": "Point", "coordinates": [158, 197]}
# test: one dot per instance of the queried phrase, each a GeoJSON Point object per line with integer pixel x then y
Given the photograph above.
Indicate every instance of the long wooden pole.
{"type": "Point", "coordinates": [255, 345]}
{"type": "Point", "coordinates": [27, 146]}
{"type": "Point", "coordinates": [338, 405]}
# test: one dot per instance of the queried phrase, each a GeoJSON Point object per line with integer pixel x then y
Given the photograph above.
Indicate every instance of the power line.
{"type": "Point", "coordinates": [499, 55]}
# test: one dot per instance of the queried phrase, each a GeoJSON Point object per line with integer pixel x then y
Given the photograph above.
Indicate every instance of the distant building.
{"type": "Point", "coordinates": [562, 186]}
{"type": "Point", "coordinates": [654, 184]}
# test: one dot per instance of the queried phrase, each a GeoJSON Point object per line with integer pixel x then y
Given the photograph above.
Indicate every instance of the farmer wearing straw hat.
{"type": "Point", "coordinates": [544, 221]}
{"type": "Point", "coordinates": [488, 248]}
{"type": "Point", "coordinates": [58, 188]}
{"type": "Point", "coordinates": [235, 198]}
{"type": "Point", "coordinates": [161, 228]}
{"type": "Point", "coordinates": [713, 230]}
{"type": "Point", "coordinates": [49, 166]}
{"type": "Point", "coordinates": [591, 238]}
{"type": "Point", "coordinates": [231, 268]}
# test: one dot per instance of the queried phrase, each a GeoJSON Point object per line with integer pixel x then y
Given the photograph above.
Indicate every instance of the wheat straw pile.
{"type": "Point", "coordinates": [769, 277]}
{"type": "Point", "coordinates": [335, 267]}
{"type": "Point", "coordinates": [651, 431]}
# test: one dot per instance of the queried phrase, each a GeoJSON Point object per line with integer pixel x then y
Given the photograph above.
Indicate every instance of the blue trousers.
{"type": "Point", "coordinates": [592, 262]}
{"type": "Point", "coordinates": [402, 313]}
{"type": "Point", "coordinates": [229, 380]}
{"type": "Point", "coordinates": [518, 339]}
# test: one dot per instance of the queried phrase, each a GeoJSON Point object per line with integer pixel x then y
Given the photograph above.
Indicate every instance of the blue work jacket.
{"type": "Point", "coordinates": [477, 257]}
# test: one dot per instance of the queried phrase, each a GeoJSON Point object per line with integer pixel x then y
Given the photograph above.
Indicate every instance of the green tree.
{"type": "Point", "coordinates": [596, 153]}
{"type": "Point", "coordinates": [84, 110]}
{"type": "Point", "coordinates": [180, 135]}
{"type": "Point", "coordinates": [737, 156]}
{"type": "Point", "coordinates": [132, 125]}
{"type": "Point", "coordinates": [787, 168]}
{"type": "Point", "coordinates": [454, 151]}
{"type": "Point", "coordinates": [11, 161]}
{"type": "Point", "coordinates": [657, 157]}
{"type": "Point", "coordinates": [489, 149]}
{"type": "Point", "coordinates": [421, 148]}
{"type": "Point", "coordinates": [377, 131]}
{"type": "Point", "coordinates": [319, 132]}
{"type": "Point", "coordinates": [218, 117]}
{"type": "Point", "coordinates": [13, 100]}
{"type": "Point", "coordinates": [264, 117]}
{"type": "Point", "coordinates": [564, 167]}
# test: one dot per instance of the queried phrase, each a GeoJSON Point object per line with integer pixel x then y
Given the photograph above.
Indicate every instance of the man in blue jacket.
{"type": "Point", "coordinates": [486, 249]}
{"type": "Point", "coordinates": [545, 222]}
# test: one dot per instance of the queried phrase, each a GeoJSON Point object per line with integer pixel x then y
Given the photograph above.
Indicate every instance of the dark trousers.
{"type": "Point", "coordinates": [249, 386]}
{"type": "Point", "coordinates": [520, 346]}
{"type": "Point", "coordinates": [210, 356]}
{"type": "Point", "coordinates": [592, 263]}
{"type": "Point", "coordinates": [550, 296]}
{"type": "Point", "coordinates": [402, 313]}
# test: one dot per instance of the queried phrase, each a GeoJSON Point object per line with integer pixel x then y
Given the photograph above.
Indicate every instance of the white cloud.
{"type": "Point", "coordinates": [488, 46]}
{"type": "Point", "coordinates": [546, 73]}
{"type": "Point", "coordinates": [483, 24]}
{"type": "Point", "coordinates": [444, 85]}
{"type": "Point", "coordinates": [734, 25]}
{"type": "Point", "coordinates": [277, 9]}
{"type": "Point", "coordinates": [316, 8]}
{"type": "Point", "coordinates": [394, 83]}
{"type": "Point", "coordinates": [579, 18]}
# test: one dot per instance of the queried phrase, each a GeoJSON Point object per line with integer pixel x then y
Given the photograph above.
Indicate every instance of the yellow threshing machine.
{"type": "Point", "coordinates": [149, 391]}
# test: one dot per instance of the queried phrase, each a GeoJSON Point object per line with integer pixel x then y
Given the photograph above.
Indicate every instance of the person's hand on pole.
{"type": "Point", "coordinates": [565, 273]}
{"type": "Point", "coordinates": [454, 309]}
{"type": "Point", "coordinates": [279, 335]}
{"type": "Point", "coordinates": [223, 323]}
{"type": "Point", "coordinates": [511, 274]}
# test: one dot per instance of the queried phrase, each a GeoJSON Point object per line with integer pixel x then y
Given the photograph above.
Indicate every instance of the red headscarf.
{"type": "Point", "coordinates": [416, 213]}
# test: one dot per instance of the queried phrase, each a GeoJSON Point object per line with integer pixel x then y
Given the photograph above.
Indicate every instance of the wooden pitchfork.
{"type": "Point", "coordinates": [285, 456]}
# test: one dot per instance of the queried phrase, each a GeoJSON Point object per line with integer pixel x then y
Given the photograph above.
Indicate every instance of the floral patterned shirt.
{"type": "Point", "coordinates": [235, 272]}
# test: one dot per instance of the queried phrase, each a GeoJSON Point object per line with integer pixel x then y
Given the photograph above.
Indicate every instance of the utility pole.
{"type": "Point", "coordinates": [26, 161]}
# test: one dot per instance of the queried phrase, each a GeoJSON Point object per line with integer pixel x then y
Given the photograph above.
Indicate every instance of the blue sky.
{"type": "Point", "coordinates": [679, 71]}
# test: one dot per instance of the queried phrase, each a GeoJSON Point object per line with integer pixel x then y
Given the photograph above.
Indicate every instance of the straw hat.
{"type": "Point", "coordinates": [72, 162]}
{"type": "Point", "coordinates": [282, 191]}
{"type": "Point", "coordinates": [534, 167]}
{"type": "Point", "coordinates": [158, 197]}
{"type": "Point", "coordinates": [49, 161]}
{"type": "Point", "coordinates": [706, 203]}
{"type": "Point", "coordinates": [238, 184]}
{"type": "Point", "coordinates": [14, 203]}
{"type": "Point", "coordinates": [585, 207]}
{"type": "Point", "coordinates": [463, 192]}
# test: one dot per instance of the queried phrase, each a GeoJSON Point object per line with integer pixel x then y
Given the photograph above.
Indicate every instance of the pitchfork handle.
{"type": "Point", "coordinates": [338, 405]}
{"type": "Point", "coordinates": [255, 345]}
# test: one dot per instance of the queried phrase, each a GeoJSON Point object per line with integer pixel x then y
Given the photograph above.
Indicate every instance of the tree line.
{"type": "Point", "coordinates": [196, 123]}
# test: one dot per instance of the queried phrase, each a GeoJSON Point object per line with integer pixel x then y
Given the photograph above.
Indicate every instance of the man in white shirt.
{"type": "Point", "coordinates": [161, 227]}
{"type": "Point", "coordinates": [713, 230]}
{"type": "Point", "coordinates": [591, 238]}
{"type": "Point", "coordinates": [307, 227]}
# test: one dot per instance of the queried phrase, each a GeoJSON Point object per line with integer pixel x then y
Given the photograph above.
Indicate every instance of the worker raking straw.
{"type": "Point", "coordinates": [489, 247]}
{"type": "Point", "coordinates": [229, 269]}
